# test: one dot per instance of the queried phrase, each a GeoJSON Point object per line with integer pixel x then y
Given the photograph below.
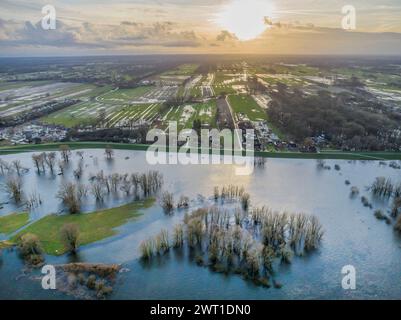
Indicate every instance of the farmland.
{"type": "Point", "coordinates": [246, 108]}
{"type": "Point", "coordinates": [23, 97]}
{"type": "Point", "coordinates": [150, 94]}
{"type": "Point", "coordinates": [186, 114]}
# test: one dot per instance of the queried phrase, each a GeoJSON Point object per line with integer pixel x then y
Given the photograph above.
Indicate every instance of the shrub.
{"type": "Point", "coordinates": [379, 214]}
{"type": "Point", "coordinates": [70, 237]}
{"type": "Point", "coordinates": [14, 188]}
{"type": "Point", "coordinates": [91, 282]}
{"type": "Point", "coordinates": [354, 191]}
{"type": "Point", "coordinates": [31, 249]}
{"type": "Point", "coordinates": [147, 249]}
{"type": "Point", "coordinates": [245, 200]}
{"type": "Point", "coordinates": [396, 206]}
{"type": "Point", "coordinates": [167, 201]}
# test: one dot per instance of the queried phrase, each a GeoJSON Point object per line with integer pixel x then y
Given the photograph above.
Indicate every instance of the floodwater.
{"type": "Point", "coordinates": [353, 236]}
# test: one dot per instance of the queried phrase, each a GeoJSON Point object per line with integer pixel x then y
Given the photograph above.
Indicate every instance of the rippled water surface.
{"type": "Point", "coordinates": [353, 236]}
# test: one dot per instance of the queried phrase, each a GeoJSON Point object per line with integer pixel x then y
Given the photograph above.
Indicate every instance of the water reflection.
{"type": "Point", "coordinates": [352, 233]}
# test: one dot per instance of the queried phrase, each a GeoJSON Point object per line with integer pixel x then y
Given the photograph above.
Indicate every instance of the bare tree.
{"type": "Point", "coordinates": [34, 200]}
{"type": "Point", "coordinates": [109, 152]}
{"type": "Point", "coordinates": [70, 237]}
{"type": "Point", "coordinates": [69, 196]}
{"type": "Point", "coordinates": [50, 159]}
{"type": "Point", "coordinates": [65, 152]}
{"type": "Point", "coordinates": [78, 172]}
{"type": "Point", "coordinates": [167, 201]}
{"type": "Point", "coordinates": [126, 186]}
{"type": "Point", "coordinates": [82, 191]}
{"type": "Point", "coordinates": [97, 190]}
{"type": "Point", "coordinates": [17, 165]}
{"type": "Point", "coordinates": [61, 167]}
{"type": "Point", "coordinates": [80, 154]}
{"type": "Point", "coordinates": [14, 188]}
{"type": "Point", "coordinates": [115, 180]}
{"type": "Point", "coordinates": [4, 166]}
{"type": "Point", "coordinates": [36, 161]}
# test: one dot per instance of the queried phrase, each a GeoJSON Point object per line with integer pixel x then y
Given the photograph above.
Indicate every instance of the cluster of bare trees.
{"type": "Point", "coordinates": [232, 192]}
{"type": "Point", "coordinates": [383, 187]}
{"type": "Point", "coordinates": [49, 160]}
{"type": "Point", "coordinates": [45, 160]}
{"type": "Point", "coordinates": [14, 167]}
{"type": "Point", "coordinates": [70, 196]}
{"type": "Point", "coordinates": [65, 152]}
{"type": "Point", "coordinates": [168, 204]}
{"type": "Point", "coordinates": [70, 237]}
{"type": "Point", "coordinates": [31, 249]}
{"type": "Point", "coordinates": [247, 245]}
{"type": "Point", "coordinates": [13, 187]}
{"type": "Point", "coordinates": [101, 185]}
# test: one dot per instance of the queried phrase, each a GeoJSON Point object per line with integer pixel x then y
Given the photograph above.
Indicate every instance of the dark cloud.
{"type": "Point", "coordinates": [89, 35]}
{"type": "Point", "coordinates": [225, 35]}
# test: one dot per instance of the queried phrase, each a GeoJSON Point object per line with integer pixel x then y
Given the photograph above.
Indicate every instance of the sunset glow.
{"type": "Point", "coordinates": [246, 19]}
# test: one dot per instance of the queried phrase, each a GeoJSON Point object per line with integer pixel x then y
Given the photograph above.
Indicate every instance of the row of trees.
{"type": "Point", "coordinates": [140, 185]}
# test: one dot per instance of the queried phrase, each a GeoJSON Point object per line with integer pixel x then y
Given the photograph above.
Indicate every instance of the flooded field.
{"type": "Point", "coordinates": [353, 236]}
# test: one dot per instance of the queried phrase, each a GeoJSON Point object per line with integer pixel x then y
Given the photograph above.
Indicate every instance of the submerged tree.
{"type": "Point", "coordinates": [68, 194]}
{"type": "Point", "coordinates": [97, 190]}
{"type": "Point", "coordinates": [65, 152]}
{"type": "Point", "coordinates": [17, 166]}
{"type": "Point", "coordinates": [167, 201]}
{"type": "Point", "coordinates": [109, 152]}
{"type": "Point", "coordinates": [50, 159]}
{"type": "Point", "coordinates": [38, 161]}
{"type": "Point", "coordinates": [4, 166]}
{"type": "Point", "coordinates": [13, 187]}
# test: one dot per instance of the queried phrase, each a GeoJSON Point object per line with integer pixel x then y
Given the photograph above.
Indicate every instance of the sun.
{"type": "Point", "coordinates": [246, 19]}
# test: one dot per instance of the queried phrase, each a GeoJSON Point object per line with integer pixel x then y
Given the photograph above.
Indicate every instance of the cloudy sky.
{"type": "Point", "coordinates": [199, 26]}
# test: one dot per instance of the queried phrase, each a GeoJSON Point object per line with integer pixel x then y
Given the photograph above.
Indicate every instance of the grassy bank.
{"type": "Point", "coordinates": [13, 222]}
{"type": "Point", "coordinates": [92, 226]}
{"type": "Point", "coordinates": [326, 154]}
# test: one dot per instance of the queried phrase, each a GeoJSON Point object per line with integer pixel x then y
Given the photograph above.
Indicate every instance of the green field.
{"type": "Point", "coordinates": [124, 95]}
{"type": "Point", "coordinates": [77, 115]}
{"type": "Point", "coordinates": [87, 112]}
{"type": "Point", "coordinates": [185, 115]}
{"type": "Point", "coordinates": [326, 154]}
{"type": "Point", "coordinates": [92, 226]}
{"type": "Point", "coordinates": [20, 84]}
{"type": "Point", "coordinates": [13, 222]}
{"type": "Point", "coordinates": [182, 70]}
{"type": "Point", "coordinates": [133, 113]}
{"type": "Point", "coordinates": [246, 106]}
{"type": "Point", "coordinates": [221, 87]}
